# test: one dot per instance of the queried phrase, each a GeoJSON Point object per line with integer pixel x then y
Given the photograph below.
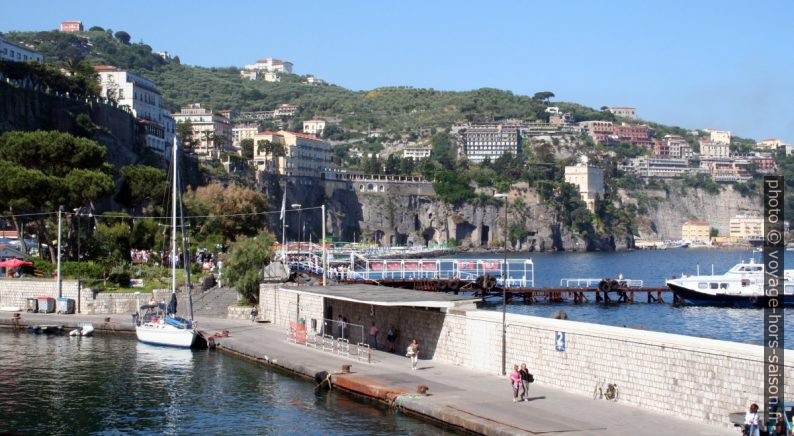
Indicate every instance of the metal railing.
{"type": "Point", "coordinates": [593, 283]}
{"type": "Point", "coordinates": [332, 336]}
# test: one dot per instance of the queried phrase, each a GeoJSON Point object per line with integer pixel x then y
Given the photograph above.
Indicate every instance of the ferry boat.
{"type": "Point", "coordinates": [741, 286]}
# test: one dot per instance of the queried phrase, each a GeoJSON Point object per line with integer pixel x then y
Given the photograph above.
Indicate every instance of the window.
{"type": "Point", "coordinates": [714, 285]}
{"type": "Point", "coordinates": [723, 286]}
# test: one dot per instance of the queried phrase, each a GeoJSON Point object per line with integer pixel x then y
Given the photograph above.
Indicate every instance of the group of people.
{"type": "Point", "coordinates": [140, 256]}
{"type": "Point", "coordinates": [753, 420]}
{"type": "Point", "coordinates": [391, 337]}
{"type": "Point", "coordinates": [519, 381]}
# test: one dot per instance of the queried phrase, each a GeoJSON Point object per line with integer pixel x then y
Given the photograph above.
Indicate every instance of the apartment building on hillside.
{"type": "Point", "coordinates": [211, 130]}
{"type": "Point", "coordinates": [294, 154]}
{"type": "Point", "coordinates": [481, 141]}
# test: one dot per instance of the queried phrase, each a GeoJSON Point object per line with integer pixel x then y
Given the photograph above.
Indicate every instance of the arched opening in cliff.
{"type": "Point", "coordinates": [463, 231]}
{"type": "Point", "coordinates": [378, 235]}
{"type": "Point", "coordinates": [484, 235]}
{"type": "Point", "coordinates": [429, 235]}
{"type": "Point", "coordinates": [417, 224]}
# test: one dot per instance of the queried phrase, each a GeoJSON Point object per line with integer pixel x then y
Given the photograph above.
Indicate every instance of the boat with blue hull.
{"type": "Point", "coordinates": [741, 286]}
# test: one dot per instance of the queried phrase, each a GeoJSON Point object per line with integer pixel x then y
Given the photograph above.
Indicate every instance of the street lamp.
{"type": "Point", "coordinates": [298, 206]}
{"type": "Point", "coordinates": [79, 214]}
{"type": "Point", "coordinates": [504, 291]}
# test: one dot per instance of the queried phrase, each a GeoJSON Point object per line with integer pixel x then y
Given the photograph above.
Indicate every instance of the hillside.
{"type": "Point", "coordinates": [394, 109]}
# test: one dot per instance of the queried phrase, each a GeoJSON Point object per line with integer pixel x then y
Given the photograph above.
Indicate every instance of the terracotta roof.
{"type": "Point", "coordinates": [101, 68]}
{"type": "Point", "coordinates": [696, 223]}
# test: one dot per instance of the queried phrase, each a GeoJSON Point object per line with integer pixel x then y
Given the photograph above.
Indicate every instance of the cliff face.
{"type": "Point", "coordinates": [407, 213]}
{"type": "Point", "coordinates": [667, 212]}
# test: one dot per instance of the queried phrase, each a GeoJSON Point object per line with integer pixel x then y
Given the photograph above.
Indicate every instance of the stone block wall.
{"type": "Point", "coordinates": [280, 304]}
{"type": "Point", "coordinates": [239, 312]}
{"type": "Point", "coordinates": [695, 378]}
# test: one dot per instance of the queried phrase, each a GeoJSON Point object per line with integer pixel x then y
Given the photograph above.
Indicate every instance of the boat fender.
{"type": "Point", "coordinates": [604, 286]}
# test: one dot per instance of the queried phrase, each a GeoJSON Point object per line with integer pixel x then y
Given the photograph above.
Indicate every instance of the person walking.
{"type": "Point", "coordinates": [515, 382]}
{"type": "Point", "coordinates": [391, 337]}
{"type": "Point", "coordinates": [340, 327]}
{"type": "Point", "coordinates": [254, 314]}
{"type": "Point", "coordinates": [413, 353]}
{"type": "Point", "coordinates": [526, 379]}
{"type": "Point", "coordinates": [373, 336]}
{"type": "Point", "coordinates": [751, 421]}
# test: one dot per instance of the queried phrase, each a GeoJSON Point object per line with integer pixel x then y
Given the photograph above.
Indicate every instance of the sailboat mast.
{"type": "Point", "coordinates": [174, 257]}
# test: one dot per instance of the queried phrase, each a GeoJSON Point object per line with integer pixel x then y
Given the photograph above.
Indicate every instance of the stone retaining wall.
{"type": "Point", "coordinates": [696, 378]}
{"type": "Point", "coordinates": [239, 312]}
{"type": "Point", "coordinates": [15, 292]}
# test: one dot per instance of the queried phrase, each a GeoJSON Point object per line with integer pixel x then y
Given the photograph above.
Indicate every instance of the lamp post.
{"type": "Point", "coordinates": [60, 282]}
{"type": "Point", "coordinates": [298, 207]}
{"type": "Point", "coordinates": [79, 214]}
{"type": "Point", "coordinates": [504, 292]}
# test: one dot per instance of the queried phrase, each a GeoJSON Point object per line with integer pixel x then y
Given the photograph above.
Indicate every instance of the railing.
{"type": "Point", "coordinates": [593, 283]}
{"type": "Point", "coordinates": [332, 336]}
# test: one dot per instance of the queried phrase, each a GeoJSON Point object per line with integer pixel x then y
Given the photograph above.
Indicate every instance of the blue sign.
{"type": "Point", "coordinates": [559, 341]}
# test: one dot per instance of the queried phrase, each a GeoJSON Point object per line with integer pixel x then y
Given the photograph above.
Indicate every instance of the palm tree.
{"type": "Point", "coordinates": [208, 136]}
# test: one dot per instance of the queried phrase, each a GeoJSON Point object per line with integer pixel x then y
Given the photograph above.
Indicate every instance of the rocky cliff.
{"type": "Point", "coordinates": [668, 210]}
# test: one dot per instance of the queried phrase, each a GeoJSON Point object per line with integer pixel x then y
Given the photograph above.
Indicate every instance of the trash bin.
{"type": "Point", "coordinates": [65, 305]}
{"type": "Point", "coordinates": [32, 305]}
{"type": "Point", "coordinates": [46, 305]}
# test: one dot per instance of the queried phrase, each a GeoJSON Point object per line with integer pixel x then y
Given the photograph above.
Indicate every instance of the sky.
{"type": "Point", "coordinates": [696, 64]}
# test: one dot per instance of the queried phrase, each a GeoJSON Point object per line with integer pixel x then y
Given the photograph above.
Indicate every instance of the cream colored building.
{"type": "Point", "coordinates": [211, 131]}
{"type": "Point", "coordinates": [243, 131]}
{"type": "Point", "coordinates": [696, 230]}
{"type": "Point", "coordinates": [314, 127]}
{"type": "Point", "coordinates": [746, 228]}
{"type": "Point", "coordinates": [590, 181]}
{"type": "Point", "coordinates": [720, 136]}
{"type": "Point", "coordinates": [270, 64]}
{"type": "Point", "coordinates": [624, 111]}
{"type": "Point", "coordinates": [304, 155]}
{"type": "Point", "coordinates": [770, 144]}
{"type": "Point", "coordinates": [714, 149]}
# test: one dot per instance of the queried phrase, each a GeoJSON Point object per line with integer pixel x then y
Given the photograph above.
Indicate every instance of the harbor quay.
{"type": "Point", "coordinates": [667, 383]}
{"type": "Point", "coordinates": [458, 398]}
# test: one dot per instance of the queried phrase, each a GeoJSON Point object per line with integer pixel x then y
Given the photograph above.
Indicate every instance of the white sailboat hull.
{"type": "Point", "coordinates": [165, 334]}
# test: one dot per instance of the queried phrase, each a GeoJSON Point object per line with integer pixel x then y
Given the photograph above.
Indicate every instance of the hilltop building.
{"type": "Point", "coordinates": [303, 155]}
{"type": "Point", "coordinates": [71, 26]}
{"type": "Point", "coordinates": [272, 65]}
{"type": "Point", "coordinates": [623, 111]}
{"type": "Point", "coordinates": [481, 141]}
{"type": "Point", "coordinates": [713, 149]}
{"type": "Point", "coordinates": [719, 136]}
{"type": "Point", "coordinates": [696, 230]}
{"type": "Point", "coordinates": [771, 144]}
{"type": "Point", "coordinates": [141, 97]}
{"type": "Point", "coordinates": [11, 51]}
{"type": "Point", "coordinates": [589, 179]}
{"type": "Point", "coordinates": [211, 131]}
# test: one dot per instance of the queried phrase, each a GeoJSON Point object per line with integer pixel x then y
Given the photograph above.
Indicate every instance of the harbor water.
{"type": "Point", "coordinates": [115, 385]}
{"type": "Point", "coordinates": [653, 267]}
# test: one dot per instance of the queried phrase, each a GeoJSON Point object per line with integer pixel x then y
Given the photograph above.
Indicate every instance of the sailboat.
{"type": "Point", "coordinates": [157, 323]}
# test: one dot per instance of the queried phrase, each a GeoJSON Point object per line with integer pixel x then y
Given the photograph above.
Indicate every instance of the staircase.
{"type": "Point", "coordinates": [212, 302]}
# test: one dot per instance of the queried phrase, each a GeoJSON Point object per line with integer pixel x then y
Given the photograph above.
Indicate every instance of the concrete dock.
{"type": "Point", "coordinates": [459, 398]}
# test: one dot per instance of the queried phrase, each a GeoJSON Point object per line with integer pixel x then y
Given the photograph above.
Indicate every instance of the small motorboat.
{"type": "Point", "coordinates": [83, 329]}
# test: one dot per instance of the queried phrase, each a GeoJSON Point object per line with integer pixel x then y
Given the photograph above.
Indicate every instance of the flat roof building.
{"type": "Point", "coordinates": [589, 180]}
{"type": "Point", "coordinates": [11, 51]}
{"type": "Point", "coordinates": [491, 141]}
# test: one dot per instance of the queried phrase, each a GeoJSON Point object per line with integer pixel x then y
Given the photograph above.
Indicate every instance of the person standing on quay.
{"type": "Point", "coordinates": [751, 421]}
{"type": "Point", "coordinates": [373, 336]}
{"type": "Point", "coordinates": [413, 353]}
{"type": "Point", "coordinates": [525, 381]}
{"type": "Point", "coordinates": [515, 382]}
{"type": "Point", "coordinates": [391, 337]}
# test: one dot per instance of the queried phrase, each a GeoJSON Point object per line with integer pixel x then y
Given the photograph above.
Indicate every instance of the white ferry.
{"type": "Point", "coordinates": [741, 286]}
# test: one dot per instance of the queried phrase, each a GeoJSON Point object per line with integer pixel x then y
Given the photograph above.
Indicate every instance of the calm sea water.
{"type": "Point", "coordinates": [653, 267]}
{"type": "Point", "coordinates": [115, 385]}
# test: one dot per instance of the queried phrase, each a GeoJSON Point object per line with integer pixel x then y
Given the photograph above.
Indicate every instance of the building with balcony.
{"type": "Point", "coordinates": [640, 134]}
{"type": "Point", "coordinates": [488, 141]}
{"type": "Point", "coordinates": [285, 110]}
{"type": "Point", "coordinates": [672, 147]}
{"type": "Point", "coordinates": [141, 97]}
{"type": "Point", "coordinates": [314, 127]}
{"type": "Point", "coordinates": [696, 231]}
{"type": "Point", "coordinates": [590, 181]}
{"type": "Point", "coordinates": [745, 228]}
{"type": "Point", "coordinates": [71, 26]}
{"type": "Point", "coordinates": [243, 131]}
{"type": "Point", "coordinates": [645, 166]}
{"type": "Point", "coordinates": [709, 148]}
{"type": "Point", "coordinates": [212, 132]}
{"type": "Point", "coordinates": [294, 154]}
{"type": "Point", "coordinates": [417, 153]}
{"type": "Point", "coordinates": [600, 131]}
{"type": "Point", "coordinates": [11, 51]}
{"type": "Point", "coordinates": [623, 111]}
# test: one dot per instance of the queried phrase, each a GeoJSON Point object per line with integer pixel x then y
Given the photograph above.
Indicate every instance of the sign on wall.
{"type": "Point", "coordinates": [559, 341]}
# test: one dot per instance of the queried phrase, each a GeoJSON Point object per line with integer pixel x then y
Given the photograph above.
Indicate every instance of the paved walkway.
{"type": "Point", "coordinates": [460, 395]}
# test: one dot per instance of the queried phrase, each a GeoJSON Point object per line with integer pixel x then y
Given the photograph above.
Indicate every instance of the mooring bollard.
{"type": "Point", "coordinates": [346, 368]}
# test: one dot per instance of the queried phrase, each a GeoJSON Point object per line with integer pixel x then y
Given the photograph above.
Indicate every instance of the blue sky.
{"type": "Point", "coordinates": [696, 64]}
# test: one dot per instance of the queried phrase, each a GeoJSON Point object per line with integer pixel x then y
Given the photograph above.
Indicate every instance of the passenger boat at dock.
{"type": "Point", "coordinates": [157, 323]}
{"type": "Point", "coordinates": [741, 286]}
